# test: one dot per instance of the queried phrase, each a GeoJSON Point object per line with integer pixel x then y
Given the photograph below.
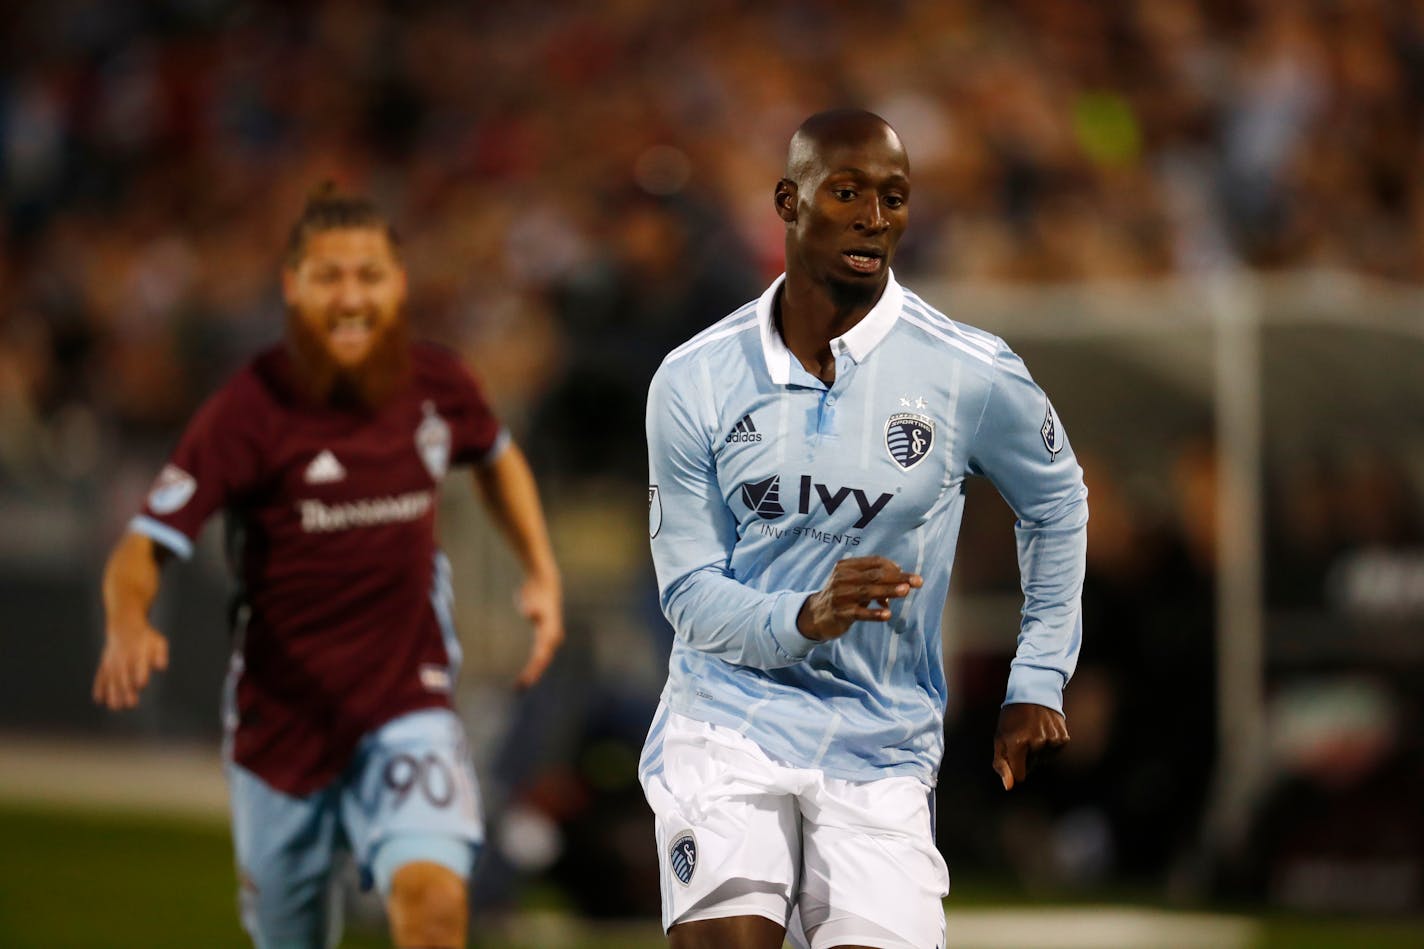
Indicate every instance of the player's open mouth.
{"type": "Point", "coordinates": [864, 261]}
{"type": "Point", "coordinates": [360, 321]}
{"type": "Point", "coordinates": [351, 331]}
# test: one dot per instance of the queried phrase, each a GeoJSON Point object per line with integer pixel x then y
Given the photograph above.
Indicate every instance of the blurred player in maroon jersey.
{"type": "Point", "coordinates": [326, 454]}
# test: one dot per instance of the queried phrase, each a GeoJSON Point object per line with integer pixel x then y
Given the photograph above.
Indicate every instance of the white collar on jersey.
{"type": "Point", "coordinates": [857, 341]}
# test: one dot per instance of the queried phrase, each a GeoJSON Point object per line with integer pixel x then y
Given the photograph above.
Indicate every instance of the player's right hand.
{"type": "Point", "coordinates": [851, 595]}
{"type": "Point", "coordinates": [130, 654]}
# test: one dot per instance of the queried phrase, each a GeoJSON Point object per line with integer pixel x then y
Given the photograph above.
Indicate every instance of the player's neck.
{"type": "Point", "coordinates": [810, 314]}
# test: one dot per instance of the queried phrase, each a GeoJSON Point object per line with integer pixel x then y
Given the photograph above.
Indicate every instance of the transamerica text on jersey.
{"type": "Point", "coordinates": [367, 512]}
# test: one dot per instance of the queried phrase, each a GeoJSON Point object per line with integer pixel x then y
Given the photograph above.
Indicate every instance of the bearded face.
{"type": "Point", "coordinates": [345, 323]}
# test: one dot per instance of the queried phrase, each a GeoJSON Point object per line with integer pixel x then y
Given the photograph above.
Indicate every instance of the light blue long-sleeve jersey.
{"type": "Point", "coordinates": [763, 477]}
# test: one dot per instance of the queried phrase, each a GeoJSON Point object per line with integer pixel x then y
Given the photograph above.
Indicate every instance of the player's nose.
{"type": "Point", "coordinates": [871, 219]}
{"type": "Point", "coordinates": [350, 294]}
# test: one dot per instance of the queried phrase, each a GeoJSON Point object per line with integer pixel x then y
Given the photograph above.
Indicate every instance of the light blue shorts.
{"type": "Point", "coordinates": [409, 794]}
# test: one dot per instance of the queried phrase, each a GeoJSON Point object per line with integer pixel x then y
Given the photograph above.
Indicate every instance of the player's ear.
{"type": "Point", "coordinates": [289, 285]}
{"type": "Point", "coordinates": [785, 199]}
{"type": "Point", "coordinates": [402, 283]}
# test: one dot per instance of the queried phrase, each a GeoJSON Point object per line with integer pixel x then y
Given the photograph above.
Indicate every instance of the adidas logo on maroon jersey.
{"type": "Point", "coordinates": [324, 469]}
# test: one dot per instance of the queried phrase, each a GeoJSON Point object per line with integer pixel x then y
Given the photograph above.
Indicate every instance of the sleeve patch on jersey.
{"type": "Point", "coordinates": [1052, 430]}
{"type": "Point", "coordinates": [172, 489]}
{"type": "Point", "coordinates": [655, 511]}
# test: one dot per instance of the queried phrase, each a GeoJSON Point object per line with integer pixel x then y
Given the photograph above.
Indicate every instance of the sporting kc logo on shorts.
{"type": "Point", "coordinates": [683, 856]}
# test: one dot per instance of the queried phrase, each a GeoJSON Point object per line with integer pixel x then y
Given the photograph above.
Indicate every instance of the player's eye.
{"type": "Point", "coordinates": [894, 201]}
{"type": "Point", "coordinates": [372, 275]}
{"type": "Point", "coordinates": [844, 194]}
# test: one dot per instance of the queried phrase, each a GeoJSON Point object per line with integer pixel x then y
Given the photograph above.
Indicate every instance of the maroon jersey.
{"type": "Point", "coordinates": [345, 609]}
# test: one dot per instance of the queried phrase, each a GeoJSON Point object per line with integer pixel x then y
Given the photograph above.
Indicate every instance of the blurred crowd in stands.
{"type": "Point", "coordinates": [580, 186]}
{"type": "Point", "coordinates": [583, 184]}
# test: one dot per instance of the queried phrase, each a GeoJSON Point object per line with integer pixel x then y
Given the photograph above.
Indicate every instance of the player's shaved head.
{"type": "Point", "coordinates": [845, 201]}
{"type": "Point", "coordinates": [835, 128]}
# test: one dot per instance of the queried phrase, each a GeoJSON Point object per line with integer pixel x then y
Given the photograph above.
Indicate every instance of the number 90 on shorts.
{"type": "Point", "coordinates": [413, 776]}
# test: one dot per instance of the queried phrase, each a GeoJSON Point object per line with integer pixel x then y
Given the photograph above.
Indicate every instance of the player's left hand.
{"type": "Point", "coordinates": [1026, 732]}
{"type": "Point", "coordinates": [541, 603]}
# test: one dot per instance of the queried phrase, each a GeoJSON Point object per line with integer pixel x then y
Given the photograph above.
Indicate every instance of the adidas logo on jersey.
{"type": "Point", "coordinates": [744, 431]}
{"type": "Point", "coordinates": [324, 469]}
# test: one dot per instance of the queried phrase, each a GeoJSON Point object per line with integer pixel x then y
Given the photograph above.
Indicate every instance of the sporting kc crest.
{"type": "Point", "coordinates": [908, 438]}
{"type": "Point", "coordinates": [683, 856]}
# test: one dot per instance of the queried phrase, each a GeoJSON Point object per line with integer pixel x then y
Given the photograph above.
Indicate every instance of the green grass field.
{"type": "Point", "coordinates": [105, 881]}
{"type": "Point", "coordinates": [73, 880]}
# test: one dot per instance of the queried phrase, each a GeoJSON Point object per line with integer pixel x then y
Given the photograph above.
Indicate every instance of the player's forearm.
{"type": "Point", "coordinates": [130, 582]}
{"type": "Point", "coordinates": [717, 615]}
{"type": "Point", "coordinates": [511, 496]}
{"type": "Point", "coordinates": [1052, 563]}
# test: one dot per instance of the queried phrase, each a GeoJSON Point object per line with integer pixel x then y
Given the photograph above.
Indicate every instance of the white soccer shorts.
{"type": "Point", "coordinates": [836, 862]}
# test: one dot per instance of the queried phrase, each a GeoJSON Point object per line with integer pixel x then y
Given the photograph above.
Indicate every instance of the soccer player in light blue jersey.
{"type": "Point", "coordinates": [808, 459]}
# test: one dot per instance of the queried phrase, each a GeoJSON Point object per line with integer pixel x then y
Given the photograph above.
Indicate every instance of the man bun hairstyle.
{"type": "Point", "coordinates": [328, 209]}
